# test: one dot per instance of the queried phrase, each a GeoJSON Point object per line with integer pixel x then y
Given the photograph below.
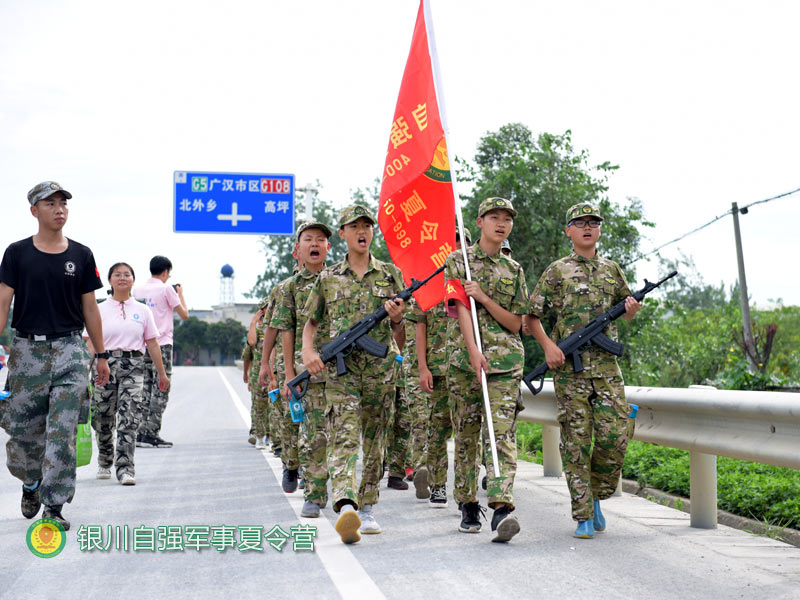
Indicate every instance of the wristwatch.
{"type": "Point", "coordinates": [105, 355]}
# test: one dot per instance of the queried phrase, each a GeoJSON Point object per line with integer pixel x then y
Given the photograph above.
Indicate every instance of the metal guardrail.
{"type": "Point", "coordinates": [756, 426]}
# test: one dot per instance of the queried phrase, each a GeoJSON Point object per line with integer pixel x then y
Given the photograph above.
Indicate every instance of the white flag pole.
{"type": "Point", "coordinates": [437, 82]}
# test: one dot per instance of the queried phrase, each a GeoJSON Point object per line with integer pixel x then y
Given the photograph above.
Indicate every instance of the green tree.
{"type": "Point", "coordinates": [190, 336]}
{"type": "Point", "coordinates": [228, 337]}
{"type": "Point", "coordinates": [543, 176]}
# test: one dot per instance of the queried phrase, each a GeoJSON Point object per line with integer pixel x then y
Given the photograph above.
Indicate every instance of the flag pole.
{"type": "Point", "coordinates": [437, 82]}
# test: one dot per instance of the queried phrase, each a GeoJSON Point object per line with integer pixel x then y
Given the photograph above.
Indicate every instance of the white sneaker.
{"type": "Point", "coordinates": [127, 479]}
{"type": "Point", "coordinates": [260, 445]}
{"type": "Point", "coordinates": [347, 525]}
{"type": "Point", "coordinates": [368, 522]}
{"type": "Point", "coordinates": [104, 473]}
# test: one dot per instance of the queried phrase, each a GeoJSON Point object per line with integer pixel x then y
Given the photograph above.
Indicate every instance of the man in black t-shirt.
{"type": "Point", "coordinates": [52, 281]}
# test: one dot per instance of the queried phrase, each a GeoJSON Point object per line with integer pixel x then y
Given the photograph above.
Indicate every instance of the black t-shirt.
{"type": "Point", "coordinates": [48, 287]}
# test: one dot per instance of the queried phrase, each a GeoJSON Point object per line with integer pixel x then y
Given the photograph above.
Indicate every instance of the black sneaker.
{"type": "Point", "coordinates": [30, 501]}
{"type": "Point", "coordinates": [438, 497]}
{"type": "Point", "coordinates": [144, 440]}
{"type": "Point", "coordinates": [54, 512]}
{"type": "Point", "coordinates": [483, 482]}
{"type": "Point", "coordinates": [471, 512]}
{"type": "Point", "coordinates": [397, 483]}
{"type": "Point", "coordinates": [505, 526]}
{"type": "Point", "coordinates": [159, 443]}
{"type": "Point", "coordinates": [277, 451]}
{"type": "Point", "coordinates": [289, 480]}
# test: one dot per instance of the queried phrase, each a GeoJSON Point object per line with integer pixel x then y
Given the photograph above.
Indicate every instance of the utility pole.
{"type": "Point", "coordinates": [747, 327]}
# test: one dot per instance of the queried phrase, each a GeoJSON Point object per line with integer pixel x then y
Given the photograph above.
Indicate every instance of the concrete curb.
{"type": "Point", "coordinates": [784, 534]}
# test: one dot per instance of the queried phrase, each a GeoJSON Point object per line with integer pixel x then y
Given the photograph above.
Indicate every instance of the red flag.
{"type": "Point", "coordinates": [416, 211]}
{"type": "Point", "coordinates": [454, 292]}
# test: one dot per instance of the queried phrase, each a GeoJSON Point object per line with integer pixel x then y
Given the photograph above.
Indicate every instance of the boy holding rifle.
{"type": "Point", "coordinates": [591, 403]}
{"type": "Point", "coordinates": [357, 401]}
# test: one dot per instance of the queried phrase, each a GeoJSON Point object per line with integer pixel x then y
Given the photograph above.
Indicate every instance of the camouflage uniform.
{"type": "Point", "coordinates": [288, 430]}
{"type": "Point", "coordinates": [417, 400]}
{"type": "Point", "coordinates": [503, 280]}
{"type": "Point", "coordinates": [438, 422]}
{"type": "Point", "coordinates": [154, 401]}
{"type": "Point", "coordinates": [357, 402]}
{"type": "Point", "coordinates": [399, 421]}
{"type": "Point", "coordinates": [313, 442]}
{"type": "Point", "coordinates": [46, 380]}
{"type": "Point", "coordinates": [260, 409]}
{"type": "Point", "coordinates": [591, 404]}
{"type": "Point", "coordinates": [117, 405]}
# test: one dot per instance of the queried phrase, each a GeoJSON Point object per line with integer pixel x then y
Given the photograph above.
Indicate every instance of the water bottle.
{"type": "Point", "coordinates": [296, 409]}
{"type": "Point", "coordinates": [632, 419]}
{"type": "Point", "coordinates": [273, 394]}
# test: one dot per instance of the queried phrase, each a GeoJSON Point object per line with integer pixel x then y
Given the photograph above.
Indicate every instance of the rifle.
{"type": "Point", "coordinates": [344, 344]}
{"type": "Point", "coordinates": [591, 334]}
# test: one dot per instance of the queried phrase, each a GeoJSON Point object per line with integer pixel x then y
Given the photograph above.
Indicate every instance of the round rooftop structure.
{"type": "Point", "coordinates": [226, 271]}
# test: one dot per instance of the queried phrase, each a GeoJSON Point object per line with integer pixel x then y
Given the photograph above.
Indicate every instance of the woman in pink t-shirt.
{"type": "Point", "coordinates": [128, 328]}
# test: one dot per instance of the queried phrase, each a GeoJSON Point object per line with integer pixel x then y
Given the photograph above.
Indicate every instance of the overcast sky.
{"type": "Point", "coordinates": [696, 101]}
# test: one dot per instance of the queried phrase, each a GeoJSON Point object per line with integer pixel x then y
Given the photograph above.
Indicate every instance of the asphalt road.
{"type": "Point", "coordinates": [213, 477]}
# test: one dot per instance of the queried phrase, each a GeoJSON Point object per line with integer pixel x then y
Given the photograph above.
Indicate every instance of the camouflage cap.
{"type": "Point", "coordinates": [263, 303]}
{"type": "Point", "coordinates": [44, 190]}
{"type": "Point", "coordinates": [493, 203]}
{"type": "Point", "coordinates": [314, 225]}
{"type": "Point", "coordinates": [584, 209]}
{"type": "Point", "coordinates": [354, 212]}
{"type": "Point", "coordinates": [505, 245]}
{"type": "Point", "coordinates": [467, 236]}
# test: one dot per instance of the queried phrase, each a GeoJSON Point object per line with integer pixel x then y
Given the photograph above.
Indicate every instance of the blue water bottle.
{"type": "Point", "coordinates": [296, 409]}
{"type": "Point", "coordinates": [273, 394]}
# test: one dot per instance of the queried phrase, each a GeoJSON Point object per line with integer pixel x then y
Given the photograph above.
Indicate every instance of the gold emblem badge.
{"type": "Point", "coordinates": [383, 283]}
{"type": "Point", "coordinates": [506, 281]}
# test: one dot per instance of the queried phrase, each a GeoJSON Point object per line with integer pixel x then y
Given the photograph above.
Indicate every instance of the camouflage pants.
{"type": "Point", "coordinates": [398, 433]}
{"type": "Point", "coordinates": [117, 405]}
{"type": "Point", "coordinates": [593, 415]}
{"type": "Point", "coordinates": [468, 421]}
{"type": "Point", "coordinates": [154, 401]}
{"type": "Point", "coordinates": [313, 447]}
{"type": "Point", "coordinates": [358, 405]}
{"type": "Point", "coordinates": [439, 429]}
{"type": "Point", "coordinates": [289, 432]}
{"type": "Point", "coordinates": [46, 381]}
{"type": "Point", "coordinates": [259, 411]}
{"type": "Point", "coordinates": [419, 404]}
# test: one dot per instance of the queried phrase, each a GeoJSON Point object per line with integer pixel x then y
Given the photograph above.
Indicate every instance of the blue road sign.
{"type": "Point", "coordinates": [261, 204]}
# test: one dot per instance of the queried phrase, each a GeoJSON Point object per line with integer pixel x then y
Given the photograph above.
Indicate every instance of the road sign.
{"type": "Point", "coordinates": [253, 203]}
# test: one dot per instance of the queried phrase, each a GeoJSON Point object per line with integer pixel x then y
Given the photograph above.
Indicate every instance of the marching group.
{"type": "Point", "coordinates": [400, 410]}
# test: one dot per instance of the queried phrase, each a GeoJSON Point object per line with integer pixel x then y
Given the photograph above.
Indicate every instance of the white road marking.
{"type": "Point", "coordinates": [346, 573]}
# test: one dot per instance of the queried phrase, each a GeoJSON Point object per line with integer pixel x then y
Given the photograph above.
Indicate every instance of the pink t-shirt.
{"type": "Point", "coordinates": [161, 298]}
{"type": "Point", "coordinates": [126, 325]}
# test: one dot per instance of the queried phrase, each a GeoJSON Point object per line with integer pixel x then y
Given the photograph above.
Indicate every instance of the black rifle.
{"type": "Point", "coordinates": [344, 344]}
{"type": "Point", "coordinates": [591, 334]}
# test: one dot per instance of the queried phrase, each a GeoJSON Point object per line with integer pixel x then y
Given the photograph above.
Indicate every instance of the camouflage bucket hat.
{"type": "Point", "coordinates": [42, 191]}
{"type": "Point", "coordinates": [493, 203]}
{"type": "Point", "coordinates": [584, 209]}
{"type": "Point", "coordinates": [314, 225]}
{"type": "Point", "coordinates": [354, 212]}
{"type": "Point", "coordinates": [505, 245]}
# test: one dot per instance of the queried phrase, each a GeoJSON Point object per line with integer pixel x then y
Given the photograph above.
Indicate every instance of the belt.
{"type": "Point", "coordinates": [125, 353]}
{"type": "Point", "coordinates": [48, 336]}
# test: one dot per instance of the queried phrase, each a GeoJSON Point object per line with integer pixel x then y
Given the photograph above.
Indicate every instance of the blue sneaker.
{"type": "Point", "coordinates": [585, 530]}
{"type": "Point", "coordinates": [599, 521]}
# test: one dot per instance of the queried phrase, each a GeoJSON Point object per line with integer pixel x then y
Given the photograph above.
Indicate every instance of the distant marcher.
{"type": "Point", "coordinates": [592, 410]}
{"type": "Point", "coordinates": [162, 300]}
{"type": "Point", "coordinates": [52, 280]}
{"type": "Point", "coordinates": [128, 327]}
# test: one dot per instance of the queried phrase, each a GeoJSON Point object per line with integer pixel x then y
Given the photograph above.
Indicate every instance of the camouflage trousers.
{"type": "Point", "coordinates": [358, 406]}
{"type": "Point", "coordinates": [398, 434]}
{"type": "Point", "coordinates": [260, 408]}
{"type": "Point", "coordinates": [419, 407]}
{"type": "Point", "coordinates": [289, 432]}
{"type": "Point", "coordinates": [468, 421]}
{"type": "Point", "coordinates": [439, 429]}
{"type": "Point", "coordinates": [154, 401]}
{"type": "Point", "coordinates": [117, 405]}
{"type": "Point", "coordinates": [593, 415]}
{"type": "Point", "coordinates": [313, 447]}
{"type": "Point", "coordinates": [47, 381]}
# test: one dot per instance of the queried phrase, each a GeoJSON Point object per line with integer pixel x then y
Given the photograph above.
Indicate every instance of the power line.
{"type": "Point", "coordinates": [742, 210]}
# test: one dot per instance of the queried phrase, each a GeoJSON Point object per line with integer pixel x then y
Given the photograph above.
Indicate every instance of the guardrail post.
{"type": "Point", "coordinates": [551, 455]}
{"type": "Point", "coordinates": [703, 490]}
